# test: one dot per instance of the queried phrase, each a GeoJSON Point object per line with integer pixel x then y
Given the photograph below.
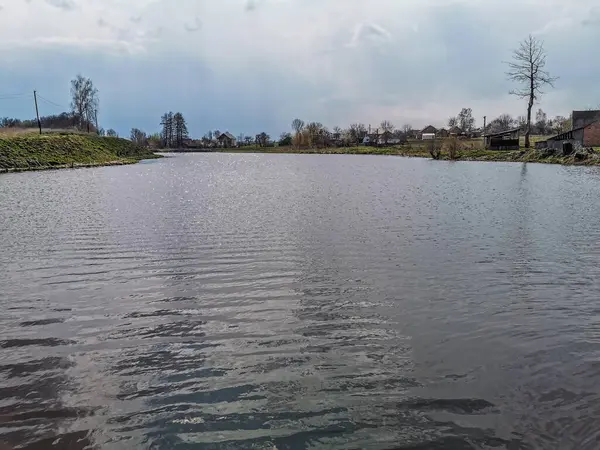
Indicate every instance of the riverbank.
{"type": "Point", "coordinates": [469, 154]}
{"type": "Point", "coordinates": [57, 151]}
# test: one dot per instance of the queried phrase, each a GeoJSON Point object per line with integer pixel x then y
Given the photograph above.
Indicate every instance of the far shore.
{"type": "Point", "coordinates": [419, 151]}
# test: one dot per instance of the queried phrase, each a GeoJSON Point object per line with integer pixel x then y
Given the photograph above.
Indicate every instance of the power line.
{"type": "Point", "coordinates": [14, 96]}
{"type": "Point", "coordinates": [50, 102]}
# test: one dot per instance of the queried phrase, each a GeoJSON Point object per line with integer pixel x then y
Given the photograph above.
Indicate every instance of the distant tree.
{"type": "Point", "coordinates": [465, 119]}
{"type": "Point", "coordinates": [216, 134]}
{"type": "Point", "coordinates": [180, 128]}
{"type": "Point", "coordinates": [527, 69]}
{"type": "Point", "coordinates": [337, 131]}
{"type": "Point", "coordinates": [297, 125]}
{"type": "Point", "coordinates": [155, 140]}
{"type": "Point", "coordinates": [240, 138]}
{"type": "Point", "coordinates": [262, 139]}
{"type": "Point", "coordinates": [248, 140]}
{"type": "Point", "coordinates": [541, 122]}
{"type": "Point", "coordinates": [84, 100]}
{"type": "Point", "coordinates": [505, 122]}
{"type": "Point", "coordinates": [406, 129]}
{"type": "Point", "coordinates": [285, 139]}
{"type": "Point", "coordinates": [209, 135]}
{"type": "Point", "coordinates": [557, 125]}
{"type": "Point", "coordinates": [387, 128]}
{"type": "Point", "coordinates": [168, 130]}
{"type": "Point", "coordinates": [111, 133]}
{"type": "Point", "coordinates": [521, 122]}
{"type": "Point", "coordinates": [452, 122]}
{"type": "Point", "coordinates": [138, 137]}
{"type": "Point", "coordinates": [358, 131]}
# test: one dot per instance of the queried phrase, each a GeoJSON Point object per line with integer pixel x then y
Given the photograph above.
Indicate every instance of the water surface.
{"type": "Point", "coordinates": [215, 301]}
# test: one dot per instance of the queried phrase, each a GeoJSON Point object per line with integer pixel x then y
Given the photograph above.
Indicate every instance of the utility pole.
{"type": "Point", "coordinates": [37, 113]}
{"type": "Point", "coordinates": [96, 120]}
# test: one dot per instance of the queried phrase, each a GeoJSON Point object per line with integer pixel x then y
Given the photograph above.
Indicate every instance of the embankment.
{"type": "Point", "coordinates": [54, 151]}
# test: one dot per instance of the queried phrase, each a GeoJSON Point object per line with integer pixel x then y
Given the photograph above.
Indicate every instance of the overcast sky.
{"type": "Point", "coordinates": [254, 65]}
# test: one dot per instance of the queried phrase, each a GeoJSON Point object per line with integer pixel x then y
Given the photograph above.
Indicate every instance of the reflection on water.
{"type": "Point", "coordinates": [294, 302]}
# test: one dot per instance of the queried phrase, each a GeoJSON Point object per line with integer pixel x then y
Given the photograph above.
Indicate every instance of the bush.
{"type": "Point", "coordinates": [452, 147]}
{"type": "Point", "coordinates": [434, 149]}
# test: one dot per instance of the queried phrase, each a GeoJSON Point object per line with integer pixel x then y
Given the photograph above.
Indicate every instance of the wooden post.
{"type": "Point", "coordinates": [37, 113]}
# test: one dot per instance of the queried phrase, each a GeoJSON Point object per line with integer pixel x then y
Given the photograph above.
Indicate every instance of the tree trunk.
{"type": "Point", "coordinates": [528, 132]}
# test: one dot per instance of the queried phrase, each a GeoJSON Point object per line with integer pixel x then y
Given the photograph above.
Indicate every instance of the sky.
{"type": "Point", "coordinates": [248, 66]}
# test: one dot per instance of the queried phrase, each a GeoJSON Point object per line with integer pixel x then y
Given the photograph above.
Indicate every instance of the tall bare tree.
{"type": "Point", "coordinates": [84, 100]}
{"type": "Point", "coordinates": [358, 131]}
{"type": "Point", "coordinates": [452, 121]}
{"type": "Point", "coordinates": [527, 68]}
{"type": "Point", "coordinates": [465, 119]}
{"type": "Point", "coordinates": [406, 129]}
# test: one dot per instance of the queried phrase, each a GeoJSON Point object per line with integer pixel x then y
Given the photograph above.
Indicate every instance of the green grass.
{"type": "Point", "coordinates": [471, 150]}
{"type": "Point", "coordinates": [34, 151]}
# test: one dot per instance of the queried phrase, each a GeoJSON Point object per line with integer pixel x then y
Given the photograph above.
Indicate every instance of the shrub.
{"type": "Point", "coordinates": [452, 146]}
{"type": "Point", "coordinates": [434, 149]}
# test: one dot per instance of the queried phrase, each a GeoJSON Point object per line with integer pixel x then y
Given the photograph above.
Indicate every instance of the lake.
{"type": "Point", "coordinates": [238, 301]}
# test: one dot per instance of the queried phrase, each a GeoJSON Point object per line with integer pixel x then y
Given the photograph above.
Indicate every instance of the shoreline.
{"type": "Point", "coordinates": [70, 166]}
{"type": "Point", "coordinates": [516, 156]}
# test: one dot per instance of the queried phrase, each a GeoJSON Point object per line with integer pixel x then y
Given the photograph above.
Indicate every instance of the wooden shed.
{"type": "Point", "coordinates": [504, 140]}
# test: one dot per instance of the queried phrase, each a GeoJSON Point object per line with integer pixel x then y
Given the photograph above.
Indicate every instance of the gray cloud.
{"type": "Point", "coordinates": [102, 23]}
{"type": "Point", "coordinates": [136, 19]}
{"type": "Point", "coordinates": [66, 5]}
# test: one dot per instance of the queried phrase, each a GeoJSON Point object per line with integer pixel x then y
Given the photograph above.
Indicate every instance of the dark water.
{"type": "Point", "coordinates": [298, 302]}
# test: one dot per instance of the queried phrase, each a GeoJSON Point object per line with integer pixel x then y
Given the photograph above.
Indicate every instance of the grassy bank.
{"type": "Point", "coordinates": [51, 151]}
{"type": "Point", "coordinates": [470, 150]}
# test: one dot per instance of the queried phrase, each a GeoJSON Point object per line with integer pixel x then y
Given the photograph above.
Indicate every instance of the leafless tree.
{"type": "Point", "coordinates": [297, 125]}
{"type": "Point", "coordinates": [527, 69]}
{"type": "Point", "coordinates": [387, 128]}
{"type": "Point", "coordinates": [465, 119]}
{"type": "Point", "coordinates": [452, 121]}
{"type": "Point", "coordinates": [138, 137]}
{"type": "Point", "coordinates": [111, 133]}
{"type": "Point", "coordinates": [406, 129]}
{"type": "Point", "coordinates": [84, 100]}
{"type": "Point", "coordinates": [358, 131]}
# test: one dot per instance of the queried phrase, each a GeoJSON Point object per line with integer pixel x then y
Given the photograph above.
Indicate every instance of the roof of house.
{"type": "Point", "coordinates": [503, 133]}
{"type": "Point", "coordinates": [227, 134]}
{"type": "Point", "coordinates": [559, 136]}
{"type": "Point", "coordinates": [455, 130]}
{"type": "Point", "coordinates": [586, 116]}
{"type": "Point", "coordinates": [429, 129]}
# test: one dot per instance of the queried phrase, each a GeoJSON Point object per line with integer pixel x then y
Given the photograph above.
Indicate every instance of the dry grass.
{"type": "Point", "coordinates": [12, 132]}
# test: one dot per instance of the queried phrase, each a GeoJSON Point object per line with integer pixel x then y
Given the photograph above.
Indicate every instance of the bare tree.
{"type": "Point", "coordinates": [527, 69]}
{"type": "Point", "coordinates": [84, 100]}
{"type": "Point", "coordinates": [452, 121]}
{"type": "Point", "coordinates": [465, 119]}
{"type": "Point", "coordinates": [138, 137]}
{"type": "Point", "coordinates": [387, 128]}
{"type": "Point", "coordinates": [297, 125]}
{"type": "Point", "coordinates": [358, 131]}
{"type": "Point", "coordinates": [406, 129]}
{"type": "Point", "coordinates": [111, 133]}
{"type": "Point", "coordinates": [248, 140]}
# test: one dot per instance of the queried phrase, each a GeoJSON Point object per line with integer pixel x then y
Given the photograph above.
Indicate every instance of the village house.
{"type": "Point", "coordinates": [443, 133]}
{"type": "Point", "coordinates": [575, 139]}
{"type": "Point", "coordinates": [227, 140]}
{"type": "Point", "coordinates": [428, 133]}
{"type": "Point", "coordinates": [456, 131]}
